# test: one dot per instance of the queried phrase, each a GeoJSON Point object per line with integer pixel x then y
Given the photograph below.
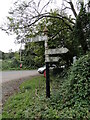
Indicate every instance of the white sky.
{"type": "Point", "coordinates": [6, 42]}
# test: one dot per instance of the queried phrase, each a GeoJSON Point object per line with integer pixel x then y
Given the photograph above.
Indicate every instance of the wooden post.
{"type": "Point", "coordinates": [47, 71]}
{"type": "Point", "coordinates": [47, 81]}
{"type": "Point", "coordinates": [47, 66]}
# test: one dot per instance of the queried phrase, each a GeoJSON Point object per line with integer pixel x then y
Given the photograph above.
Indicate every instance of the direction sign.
{"type": "Point", "coordinates": [56, 51]}
{"type": "Point", "coordinates": [37, 38]}
{"type": "Point", "coordinates": [51, 59]}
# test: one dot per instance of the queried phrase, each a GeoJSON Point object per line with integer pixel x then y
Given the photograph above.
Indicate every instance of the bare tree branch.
{"type": "Point", "coordinates": [65, 8]}
{"type": "Point", "coordinates": [39, 3]}
{"type": "Point", "coordinates": [73, 9]}
{"type": "Point", "coordinates": [45, 6]}
{"type": "Point", "coordinates": [44, 16]}
{"type": "Point", "coordinates": [70, 3]}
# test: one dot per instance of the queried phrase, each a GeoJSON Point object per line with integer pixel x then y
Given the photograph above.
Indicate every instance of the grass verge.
{"type": "Point", "coordinates": [31, 102]}
{"type": "Point", "coordinates": [20, 105]}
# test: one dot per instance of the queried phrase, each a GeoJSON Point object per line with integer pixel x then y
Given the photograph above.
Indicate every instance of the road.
{"type": "Point", "coordinates": [6, 76]}
{"type": "Point", "coordinates": [10, 82]}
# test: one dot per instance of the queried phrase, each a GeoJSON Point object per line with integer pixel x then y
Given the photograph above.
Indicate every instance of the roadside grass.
{"type": "Point", "coordinates": [21, 104]}
{"type": "Point", "coordinates": [31, 101]}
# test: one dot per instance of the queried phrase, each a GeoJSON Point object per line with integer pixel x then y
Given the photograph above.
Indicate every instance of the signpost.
{"type": "Point", "coordinates": [48, 59]}
{"type": "Point", "coordinates": [47, 81]}
{"type": "Point", "coordinates": [37, 38]}
{"type": "Point", "coordinates": [51, 59]}
{"type": "Point", "coordinates": [56, 51]}
{"type": "Point", "coordinates": [47, 66]}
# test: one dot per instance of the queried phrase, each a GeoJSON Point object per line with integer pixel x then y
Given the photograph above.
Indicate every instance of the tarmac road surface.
{"type": "Point", "coordinates": [6, 76]}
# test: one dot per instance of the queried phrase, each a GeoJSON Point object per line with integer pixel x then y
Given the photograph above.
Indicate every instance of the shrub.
{"type": "Point", "coordinates": [78, 92]}
{"type": "Point", "coordinates": [79, 77]}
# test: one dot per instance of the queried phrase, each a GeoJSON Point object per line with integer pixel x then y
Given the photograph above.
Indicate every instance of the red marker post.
{"type": "Point", "coordinates": [21, 65]}
{"type": "Point", "coordinates": [45, 73]}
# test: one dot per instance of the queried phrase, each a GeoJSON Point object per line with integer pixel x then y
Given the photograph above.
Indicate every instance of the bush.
{"type": "Point", "coordinates": [73, 97]}
{"type": "Point", "coordinates": [79, 77]}
{"type": "Point", "coordinates": [78, 92]}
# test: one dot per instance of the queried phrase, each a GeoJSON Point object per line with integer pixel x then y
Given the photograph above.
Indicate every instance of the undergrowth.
{"type": "Point", "coordinates": [69, 96]}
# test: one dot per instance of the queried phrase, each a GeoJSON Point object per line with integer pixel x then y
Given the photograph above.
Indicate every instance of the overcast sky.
{"type": "Point", "coordinates": [7, 42]}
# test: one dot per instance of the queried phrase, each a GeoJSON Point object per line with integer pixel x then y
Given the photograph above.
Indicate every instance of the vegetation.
{"type": "Point", "coordinates": [9, 61]}
{"type": "Point", "coordinates": [24, 102]}
{"type": "Point", "coordinates": [69, 96]}
{"type": "Point", "coordinates": [64, 30]}
{"type": "Point", "coordinates": [77, 96]}
{"type": "Point", "coordinates": [10, 65]}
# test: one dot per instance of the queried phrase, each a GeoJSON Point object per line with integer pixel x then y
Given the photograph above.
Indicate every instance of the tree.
{"type": "Point", "coordinates": [25, 18]}
{"type": "Point", "coordinates": [82, 27]}
{"type": "Point", "coordinates": [34, 55]}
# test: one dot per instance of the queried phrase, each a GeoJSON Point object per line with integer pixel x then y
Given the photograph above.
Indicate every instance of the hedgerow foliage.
{"type": "Point", "coordinates": [72, 100]}
{"type": "Point", "coordinates": [79, 77]}
{"type": "Point", "coordinates": [78, 93]}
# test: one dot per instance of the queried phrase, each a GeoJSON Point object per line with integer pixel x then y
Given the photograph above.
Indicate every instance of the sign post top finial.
{"type": "Point", "coordinates": [45, 30]}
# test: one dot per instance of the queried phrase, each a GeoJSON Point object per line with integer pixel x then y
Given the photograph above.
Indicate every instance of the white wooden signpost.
{"type": "Point", "coordinates": [56, 51]}
{"type": "Point", "coordinates": [51, 59]}
{"type": "Point", "coordinates": [37, 38]}
{"type": "Point", "coordinates": [48, 59]}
